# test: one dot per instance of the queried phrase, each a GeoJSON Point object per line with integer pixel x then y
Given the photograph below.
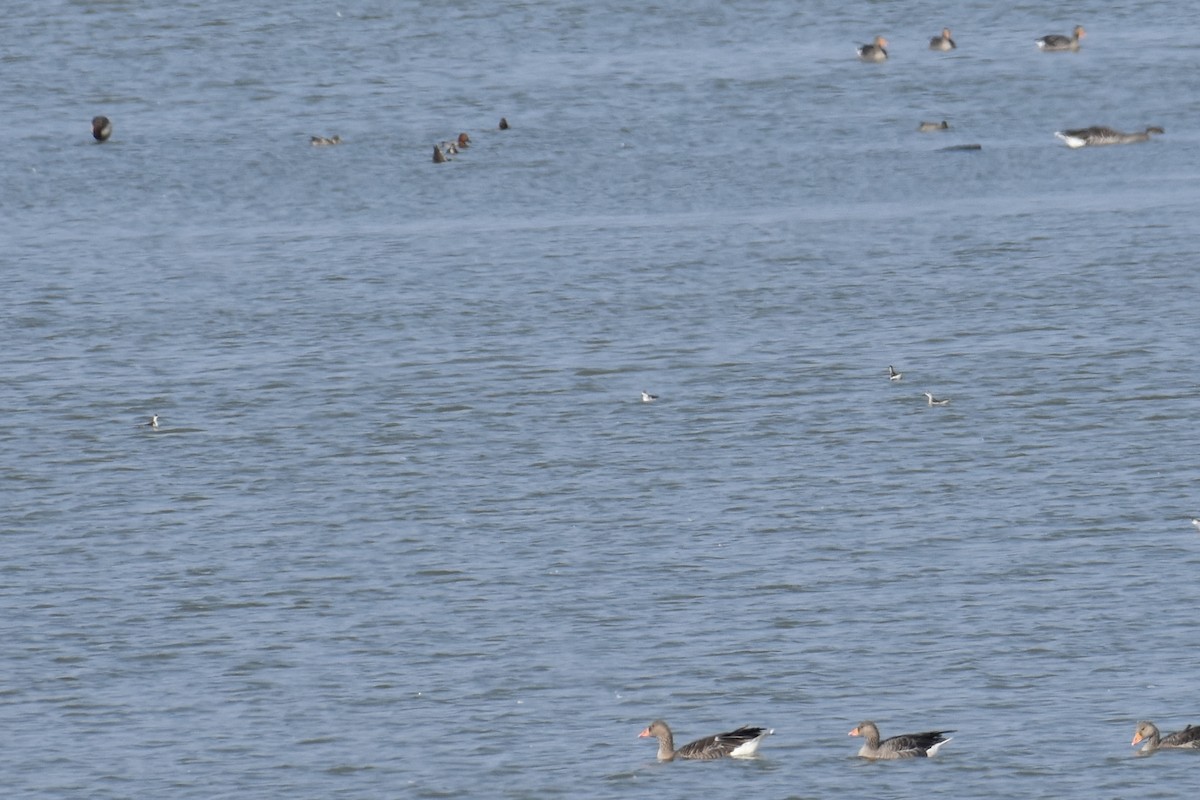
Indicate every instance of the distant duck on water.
{"type": "Point", "coordinates": [929, 127]}
{"type": "Point", "coordinates": [876, 51]}
{"type": "Point", "coordinates": [943, 42]}
{"type": "Point", "coordinates": [933, 401]}
{"type": "Point", "coordinates": [893, 375]}
{"type": "Point", "coordinates": [101, 128]}
{"type": "Point", "coordinates": [648, 398]}
{"type": "Point", "coordinates": [1099, 135]}
{"type": "Point", "coordinates": [1057, 43]}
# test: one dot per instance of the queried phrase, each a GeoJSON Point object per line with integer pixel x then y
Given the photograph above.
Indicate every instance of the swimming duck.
{"type": "Point", "coordinates": [503, 123]}
{"type": "Point", "coordinates": [906, 745]}
{"type": "Point", "coordinates": [1098, 135]}
{"type": "Point", "coordinates": [893, 375]}
{"type": "Point", "coordinates": [463, 141]}
{"type": "Point", "coordinates": [321, 141]}
{"type": "Point", "coordinates": [933, 401]}
{"type": "Point", "coordinates": [1055, 42]}
{"type": "Point", "coordinates": [740, 743]}
{"type": "Point", "coordinates": [101, 128]}
{"type": "Point", "coordinates": [926, 127]}
{"type": "Point", "coordinates": [943, 42]}
{"type": "Point", "coordinates": [874, 52]}
{"type": "Point", "coordinates": [440, 156]}
{"type": "Point", "coordinates": [1188, 738]}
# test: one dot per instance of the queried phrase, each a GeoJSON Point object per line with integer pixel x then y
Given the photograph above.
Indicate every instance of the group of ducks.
{"type": "Point", "coordinates": [744, 742]}
{"type": "Point", "coordinates": [1051, 43]}
{"type": "Point", "coordinates": [1095, 136]}
{"type": "Point", "coordinates": [442, 151]}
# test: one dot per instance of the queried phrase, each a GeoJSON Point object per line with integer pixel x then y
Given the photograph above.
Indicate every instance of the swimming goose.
{"type": "Point", "coordinates": [874, 52]}
{"type": "Point", "coordinates": [933, 401]}
{"type": "Point", "coordinates": [906, 745]}
{"type": "Point", "coordinates": [1188, 738]}
{"type": "Point", "coordinates": [740, 743]}
{"type": "Point", "coordinates": [943, 42]}
{"type": "Point", "coordinates": [647, 397]}
{"type": "Point", "coordinates": [893, 375]}
{"type": "Point", "coordinates": [927, 127]}
{"type": "Point", "coordinates": [1058, 43]}
{"type": "Point", "coordinates": [101, 128]}
{"type": "Point", "coordinates": [1098, 135]}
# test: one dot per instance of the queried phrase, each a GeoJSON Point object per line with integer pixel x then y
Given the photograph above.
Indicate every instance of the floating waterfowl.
{"type": "Point", "coordinates": [893, 375]}
{"type": "Point", "coordinates": [933, 401]}
{"type": "Point", "coordinates": [906, 745]}
{"type": "Point", "coordinates": [439, 155]}
{"type": "Point", "coordinates": [961, 147]}
{"type": "Point", "coordinates": [943, 42]}
{"type": "Point", "coordinates": [877, 51]}
{"type": "Point", "coordinates": [1186, 739]}
{"type": "Point", "coordinates": [741, 743]}
{"type": "Point", "coordinates": [648, 398]}
{"type": "Point", "coordinates": [101, 128]}
{"type": "Point", "coordinates": [1058, 43]}
{"type": "Point", "coordinates": [927, 127]}
{"type": "Point", "coordinates": [153, 423]}
{"type": "Point", "coordinates": [321, 141]}
{"type": "Point", "coordinates": [1099, 135]}
{"type": "Point", "coordinates": [503, 123]}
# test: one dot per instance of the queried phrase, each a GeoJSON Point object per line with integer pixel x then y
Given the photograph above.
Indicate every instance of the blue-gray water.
{"type": "Point", "coordinates": [407, 530]}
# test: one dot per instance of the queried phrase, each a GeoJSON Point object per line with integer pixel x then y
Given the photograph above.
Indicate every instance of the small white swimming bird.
{"type": "Point", "coordinates": [1196, 522]}
{"type": "Point", "coordinates": [933, 401]}
{"type": "Point", "coordinates": [153, 423]}
{"type": "Point", "coordinates": [647, 397]}
{"type": "Point", "coordinates": [893, 375]}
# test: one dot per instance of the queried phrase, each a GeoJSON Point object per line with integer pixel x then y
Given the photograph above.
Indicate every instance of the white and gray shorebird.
{"type": "Point", "coordinates": [1099, 135]}
{"type": "Point", "coordinates": [153, 423]}
{"type": "Point", "coordinates": [933, 401]}
{"type": "Point", "coordinates": [893, 375]}
{"type": "Point", "coordinates": [647, 397]}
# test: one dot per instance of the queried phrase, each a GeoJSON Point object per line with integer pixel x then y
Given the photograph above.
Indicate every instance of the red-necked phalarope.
{"type": "Point", "coordinates": [893, 375]}
{"type": "Point", "coordinates": [153, 423]}
{"type": "Point", "coordinates": [933, 401]}
{"type": "Point", "coordinates": [648, 398]}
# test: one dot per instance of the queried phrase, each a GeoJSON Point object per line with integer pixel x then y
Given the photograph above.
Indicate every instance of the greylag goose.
{"type": "Point", "coordinates": [1098, 135]}
{"type": "Point", "coordinates": [1056, 42]}
{"type": "Point", "coordinates": [893, 375]}
{"type": "Point", "coordinates": [1188, 738]}
{"type": "Point", "coordinates": [943, 42]}
{"type": "Point", "coordinates": [906, 745]}
{"type": "Point", "coordinates": [740, 743]}
{"type": "Point", "coordinates": [876, 51]}
{"type": "Point", "coordinates": [928, 127]}
{"type": "Point", "coordinates": [933, 401]}
{"type": "Point", "coordinates": [101, 128]}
